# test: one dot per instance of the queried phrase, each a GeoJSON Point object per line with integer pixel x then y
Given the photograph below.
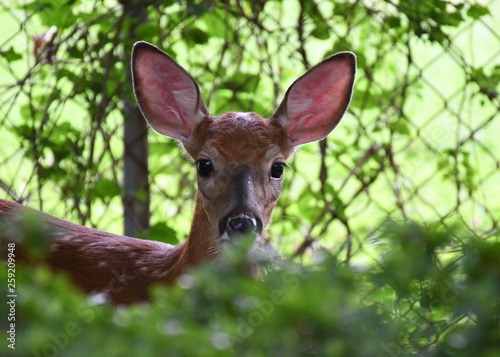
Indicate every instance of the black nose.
{"type": "Point", "coordinates": [241, 224]}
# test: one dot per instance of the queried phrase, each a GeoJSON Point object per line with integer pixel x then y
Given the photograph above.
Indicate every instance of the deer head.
{"type": "Point", "coordinates": [240, 157]}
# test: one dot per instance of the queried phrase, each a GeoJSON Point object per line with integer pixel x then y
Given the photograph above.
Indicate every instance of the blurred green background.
{"type": "Point", "coordinates": [399, 208]}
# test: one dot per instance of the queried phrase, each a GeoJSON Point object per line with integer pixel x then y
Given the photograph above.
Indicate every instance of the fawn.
{"type": "Point", "coordinates": [239, 157]}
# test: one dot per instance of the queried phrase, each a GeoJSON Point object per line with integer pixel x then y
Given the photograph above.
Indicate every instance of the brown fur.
{"type": "Point", "coordinates": [121, 267]}
{"type": "Point", "coordinates": [235, 136]}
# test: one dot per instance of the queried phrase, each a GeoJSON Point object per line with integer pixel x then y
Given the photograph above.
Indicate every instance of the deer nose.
{"type": "Point", "coordinates": [241, 224]}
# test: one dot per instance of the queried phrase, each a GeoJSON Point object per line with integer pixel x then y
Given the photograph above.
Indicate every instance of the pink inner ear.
{"type": "Point", "coordinates": [167, 95]}
{"type": "Point", "coordinates": [317, 101]}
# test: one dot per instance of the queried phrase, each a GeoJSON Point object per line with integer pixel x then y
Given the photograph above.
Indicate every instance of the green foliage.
{"type": "Point", "coordinates": [430, 18]}
{"type": "Point", "coordinates": [10, 55]}
{"type": "Point", "coordinates": [163, 233]}
{"type": "Point", "coordinates": [430, 294]}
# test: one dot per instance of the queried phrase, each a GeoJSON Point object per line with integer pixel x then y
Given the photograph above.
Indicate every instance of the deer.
{"type": "Point", "coordinates": [240, 159]}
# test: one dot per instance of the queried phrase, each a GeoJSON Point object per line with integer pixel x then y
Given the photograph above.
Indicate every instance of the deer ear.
{"type": "Point", "coordinates": [167, 95]}
{"type": "Point", "coordinates": [315, 103]}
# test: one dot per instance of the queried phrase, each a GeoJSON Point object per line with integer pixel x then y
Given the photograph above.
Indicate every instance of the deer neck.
{"type": "Point", "coordinates": [201, 243]}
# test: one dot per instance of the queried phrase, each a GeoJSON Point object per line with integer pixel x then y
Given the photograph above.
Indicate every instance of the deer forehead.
{"type": "Point", "coordinates": [243, 139]}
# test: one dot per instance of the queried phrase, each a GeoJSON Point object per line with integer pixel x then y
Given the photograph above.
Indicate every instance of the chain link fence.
{"type": "Point", "coordinates": [419, 142]}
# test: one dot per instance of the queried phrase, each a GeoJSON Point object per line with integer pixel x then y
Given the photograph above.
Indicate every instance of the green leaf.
{"type": "Point", "coordinates": [162, 233]}
{"type": "Point", "coordinates": [146, 30]}
{"type": "Point", "coordinates": [393, 22]}
{"type": "Point", "coordinates": [141, 195]}
{"type": "Point", "coordinates": [197, 36]}
{"type": "Point", "coordinates": [363, 100]}
{"type": "Point", "coordinates": [214, 22]}
{"type": "Point", "coordinates": [321, 31]}
{"type": "Point", "coordinates": [476, 11]}
{"type": "Point", "coordinates": [53, 13]}
{"type": "Point", "coordinates": [10, 55]}
{"type": "Point", "coordinates": [400, 127]}
{"type": "Point", "coordinates": [105, 189]}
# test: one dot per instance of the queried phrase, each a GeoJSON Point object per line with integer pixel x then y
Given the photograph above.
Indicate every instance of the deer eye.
{"type": "Point", "coordinates": [277, 170]}
{"type": "Point", "coordinates": [205, 167]}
